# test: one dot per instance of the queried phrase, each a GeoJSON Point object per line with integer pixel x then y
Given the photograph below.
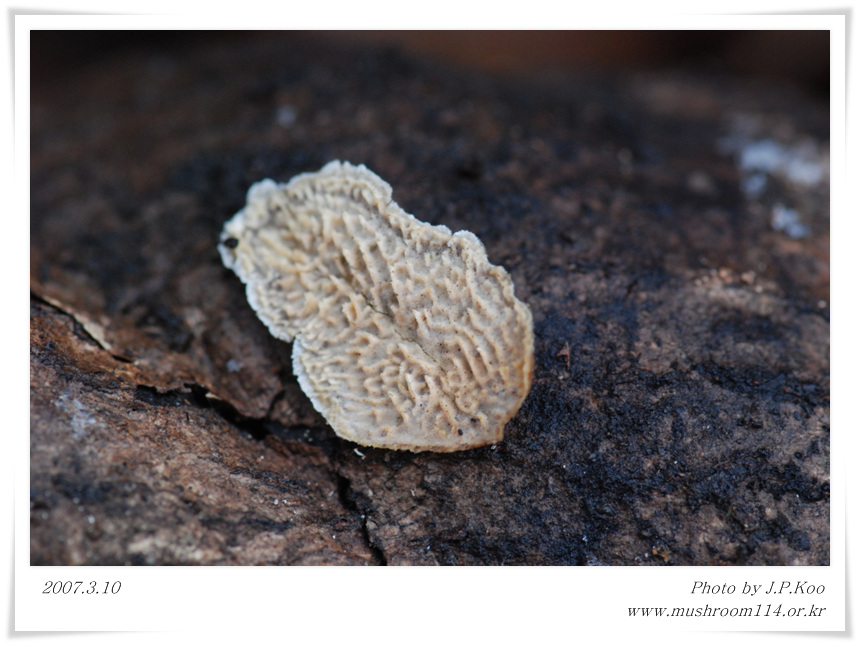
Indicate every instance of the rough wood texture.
{"type": "Point", "coordinates": [679, 413]}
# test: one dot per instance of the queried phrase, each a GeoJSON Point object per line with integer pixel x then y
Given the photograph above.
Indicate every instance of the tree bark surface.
{"type": "Point", "coordinates": [669, 231]}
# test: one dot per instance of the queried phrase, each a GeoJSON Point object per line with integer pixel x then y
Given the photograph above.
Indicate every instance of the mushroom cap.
{"type": "Point", "coordinates": [404, 335]}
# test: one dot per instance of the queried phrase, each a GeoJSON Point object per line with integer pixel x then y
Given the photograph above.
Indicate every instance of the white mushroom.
{"type": "Point", "coordinates": [404, 335]}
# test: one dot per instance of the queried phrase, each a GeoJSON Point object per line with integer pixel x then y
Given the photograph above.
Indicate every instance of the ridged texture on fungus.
{"type": "Point", "coordinates": [404, 335]}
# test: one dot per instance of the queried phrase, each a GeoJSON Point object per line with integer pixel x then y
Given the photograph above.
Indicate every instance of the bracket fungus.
{"type": "Point", "coordinates": [404, 335]}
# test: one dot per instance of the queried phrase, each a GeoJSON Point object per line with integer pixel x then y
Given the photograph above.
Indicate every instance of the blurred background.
{"type": "Point", "coordinates": [799, 56]}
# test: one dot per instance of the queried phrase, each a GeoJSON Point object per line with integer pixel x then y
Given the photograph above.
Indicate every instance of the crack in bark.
{"type": "Point", "coordinates": [200, 395]}
{"type": "Point", "coordinates": [354, 503]}
{"type": "Point", "coordinates": [79, 327]}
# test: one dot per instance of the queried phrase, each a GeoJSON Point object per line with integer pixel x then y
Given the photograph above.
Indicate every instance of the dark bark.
{"type": "Point", "coordinates": [680, 407]}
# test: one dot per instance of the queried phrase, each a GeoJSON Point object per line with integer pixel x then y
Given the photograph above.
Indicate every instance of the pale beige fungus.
{"type": "Point", "coordinates": [404, 335]}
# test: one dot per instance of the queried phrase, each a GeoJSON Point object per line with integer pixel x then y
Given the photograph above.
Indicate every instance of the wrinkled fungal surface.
{"type": "Point", "coordinates": [404, 335]}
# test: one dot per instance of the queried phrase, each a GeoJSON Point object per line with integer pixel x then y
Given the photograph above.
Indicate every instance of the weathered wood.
{"type": "Point", "coordinates": [679, 412]}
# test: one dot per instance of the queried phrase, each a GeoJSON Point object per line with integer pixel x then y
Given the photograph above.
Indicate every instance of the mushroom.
{"type": "Point", "coordinates": [404, 335]}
